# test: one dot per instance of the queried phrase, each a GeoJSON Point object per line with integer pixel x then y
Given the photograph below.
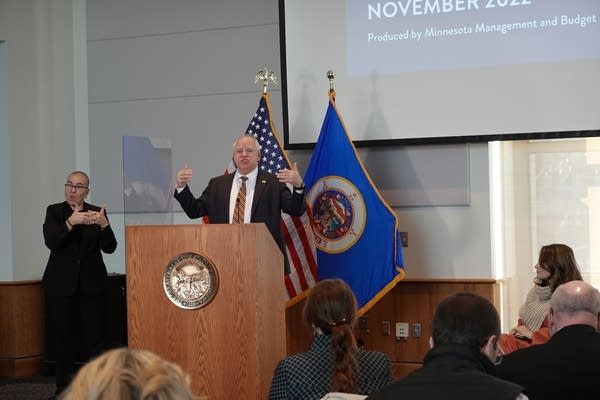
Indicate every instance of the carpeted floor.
{"type": "Point", "coordinates": [33, 388]}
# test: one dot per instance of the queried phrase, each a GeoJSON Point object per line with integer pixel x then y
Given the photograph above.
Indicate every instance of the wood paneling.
{"type": "Point", "coordinates": [21, 328]}
{"type": "Point", "coordinates": [298, 334]}
{"type": "Point", "coordinates": [412, 301]}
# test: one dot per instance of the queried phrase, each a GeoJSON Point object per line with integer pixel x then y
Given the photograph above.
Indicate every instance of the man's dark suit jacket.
{"type": "Point", "coordinates": [565, 367]}
{"type": "Point", "coordinates": [271, 197]}
{"type": "Point", "coordinates": [75, 256]}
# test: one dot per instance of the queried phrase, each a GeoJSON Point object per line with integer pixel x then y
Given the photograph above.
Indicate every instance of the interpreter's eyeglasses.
{"type": "Point", "coordinates": [77, 188]}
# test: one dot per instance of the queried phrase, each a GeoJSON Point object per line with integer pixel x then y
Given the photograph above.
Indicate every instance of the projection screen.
{"type": "Point", "coordinates": [422, 71]}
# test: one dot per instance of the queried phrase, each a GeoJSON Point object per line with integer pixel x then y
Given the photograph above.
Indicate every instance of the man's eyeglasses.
{"type": "Point", "coordinates": [77, 188]}
{"type": "Point", "coordinates": [499, 356]}
{"type": "Point", "coordinates": [248, 150]}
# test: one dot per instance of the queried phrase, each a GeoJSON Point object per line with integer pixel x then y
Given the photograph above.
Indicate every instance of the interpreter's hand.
{"type": "Point", "coordinates": [80, 218]}
{"type": "Point", "coordinates": [290, 176]}
{"type": "Point", "coordinates": [184, 176]}
{"type": "Point", "coordinates": [99, 217]}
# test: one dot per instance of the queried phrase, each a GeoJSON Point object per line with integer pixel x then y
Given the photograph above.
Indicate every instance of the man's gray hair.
{"type": "Point", "coordinates": [575, 297]}
{"type": "Point", "coordinates": [256, 144]}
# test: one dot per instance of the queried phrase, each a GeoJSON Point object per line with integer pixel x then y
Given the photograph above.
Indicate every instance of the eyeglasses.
{"type": "Point", "coordinates": [248, 150]}
{"type": "Point", "coordinates": [77, 188]}
{"type": "Point", "coordinates": [499, 356]}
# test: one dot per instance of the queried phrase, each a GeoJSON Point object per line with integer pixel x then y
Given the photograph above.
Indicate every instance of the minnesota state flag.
{"type": "Point", "coordinates": [356, 232]}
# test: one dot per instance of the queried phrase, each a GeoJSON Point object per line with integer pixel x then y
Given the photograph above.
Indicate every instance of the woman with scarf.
{"type": "Point", "coordinates": [556, 265]}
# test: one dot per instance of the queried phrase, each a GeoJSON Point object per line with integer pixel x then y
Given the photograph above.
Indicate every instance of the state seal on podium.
{"type": "Point", "coordinates": [191, 280]}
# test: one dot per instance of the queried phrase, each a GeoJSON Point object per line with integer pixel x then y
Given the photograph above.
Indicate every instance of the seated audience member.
{"type": "Point", "coordinates": [460, 364]}
{"type": "Point", "coordinates": [126, 374]}
{"type": "Point", "coordinates": [333, 363]}
{"type": "Point", "coordinates": [556, 265]}
{"type": "Point", "coordinates": [568, 365]}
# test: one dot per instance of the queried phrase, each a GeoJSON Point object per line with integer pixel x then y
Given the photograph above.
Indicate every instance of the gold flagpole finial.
{"type": "Point", "coordinates": [264, 75]}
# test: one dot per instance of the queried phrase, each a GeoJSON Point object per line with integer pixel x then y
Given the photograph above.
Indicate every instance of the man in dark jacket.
{"type": "Point", "coordinates": [460, 364]}
{"type": "Point", "coordinates": [567, 366]}
{"type": "Point", "coordinates": [264, 197]}
{"type": "Point", "coordinates": [75, 279]}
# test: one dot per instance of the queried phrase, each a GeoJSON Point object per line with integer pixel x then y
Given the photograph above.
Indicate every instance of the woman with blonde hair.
{"type": "Point", "coordinates": [333, 363]}
{"type": "Point", "coordinates": [556, 265]}
{"type": "Point", "coordinates": [128, 374]}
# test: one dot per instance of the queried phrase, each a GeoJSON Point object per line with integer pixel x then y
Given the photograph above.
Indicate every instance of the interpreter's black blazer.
{"type": "Point", "coordinates": [75, 256]}
{"type": "Point", "coordinates": [271, 197]}
{"type": "Point", "coordinates": [565, 367]}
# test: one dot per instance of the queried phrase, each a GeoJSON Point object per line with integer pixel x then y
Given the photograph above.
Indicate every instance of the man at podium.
{"type": "Point", "coordinates": [246, 196]}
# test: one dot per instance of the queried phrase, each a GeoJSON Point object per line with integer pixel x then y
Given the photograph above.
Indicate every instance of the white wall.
{"type": "Point", "coordinates": [40, 121]}
{"type": "Point", "coordinates": [180, 70]}
{"type": "Point", "coordinates": [452, 242]}
{"type": "Point", "coordinates": [153, 65]}
{"type": "Point", "coordinates": [5, 199]}
{"type": "Point", "coordinates": [184, 71]}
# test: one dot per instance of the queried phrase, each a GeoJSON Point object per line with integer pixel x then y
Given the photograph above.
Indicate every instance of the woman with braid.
{"type": "Point", "coordinates": [556, 265]}
{"type": "Point", "coordinates": [333, 363]}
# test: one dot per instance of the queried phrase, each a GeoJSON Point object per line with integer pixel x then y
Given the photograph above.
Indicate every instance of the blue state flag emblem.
{"type": "Point", "coordinates": [338, 214]}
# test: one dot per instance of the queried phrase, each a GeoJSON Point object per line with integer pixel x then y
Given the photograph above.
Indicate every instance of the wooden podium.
{"type": "Point", "coordinates": [230, 347]}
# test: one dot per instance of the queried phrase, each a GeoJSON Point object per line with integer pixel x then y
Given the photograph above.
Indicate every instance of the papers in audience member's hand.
{"type": "Point", "coordinates": [343, 396]}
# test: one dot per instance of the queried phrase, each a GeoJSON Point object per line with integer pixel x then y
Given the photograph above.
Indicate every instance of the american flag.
{"type": "Point", "coordinates": [297, 232]}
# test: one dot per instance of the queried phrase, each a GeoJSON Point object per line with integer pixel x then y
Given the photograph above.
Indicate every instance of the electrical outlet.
{"type": "Point", "coordinates": [404, 239]}
{"type": "Point", "coordinates": [416, 330]}
{"type": "Point", "coordinates": [401, 329]}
